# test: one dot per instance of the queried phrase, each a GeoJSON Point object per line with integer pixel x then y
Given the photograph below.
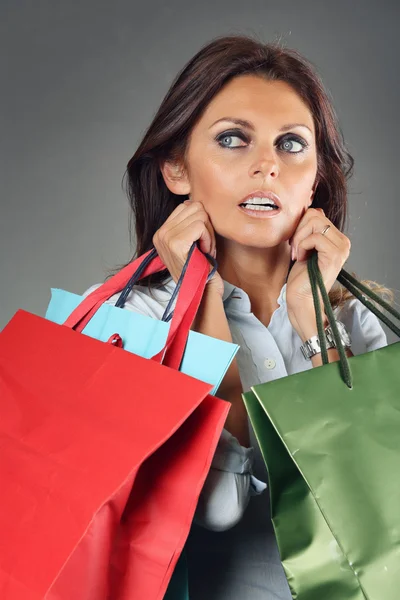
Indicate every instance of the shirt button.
{"type": "Point", "coordinates": [270, 363]}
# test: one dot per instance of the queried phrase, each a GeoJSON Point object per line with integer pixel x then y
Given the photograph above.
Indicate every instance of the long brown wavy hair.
{"type": "Point", "coordinates": [214, 65]}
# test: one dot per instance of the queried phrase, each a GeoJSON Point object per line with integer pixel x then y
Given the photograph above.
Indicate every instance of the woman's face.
{"type": "Point", "coordinates": [275, 151]}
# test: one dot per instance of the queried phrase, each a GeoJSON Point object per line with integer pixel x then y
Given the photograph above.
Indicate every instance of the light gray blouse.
{"type": "Point", "coordinates": [231, 549]}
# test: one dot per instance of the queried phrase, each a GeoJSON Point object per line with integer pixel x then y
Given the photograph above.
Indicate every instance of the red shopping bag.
{"type": "Point", "coordinates": [103, 454]}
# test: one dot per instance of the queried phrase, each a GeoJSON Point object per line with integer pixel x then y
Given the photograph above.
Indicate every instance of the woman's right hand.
{"type": "Point", "coordinates": [188, 223]}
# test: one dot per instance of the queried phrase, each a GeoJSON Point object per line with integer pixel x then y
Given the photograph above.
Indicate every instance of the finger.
{"type": "Point", "coordinates": [306, 216]}
{"type": "Point", "coordinates": [177, 210]}
{"type": "Point", "coordinates": [316, 225]}
{"type": "Point", "coordinates": [200, 207]}
{"type": "Point", "coordinates": [198, 231]}
{"type": "Point", "coordinates": [174, 226]}
{"type": "Point", "coordinates": [328, 252]}
{"type": "Point", "coordinates": [182, 211]}
{"type": "Point", "coordinates": [330, 260]}
{"type": "Point", "coordinates": [210, 229]}
{"type": "Point", "coordinates": [180, 219]}
{"type": "Point", "coordinates": [184, 219]}
{"type": "Point", "coordinates": [310, 215]}
{"type": "Point", "coordinates": [184, 233]}
{"type": "Point", "coordinates": [201, 214]}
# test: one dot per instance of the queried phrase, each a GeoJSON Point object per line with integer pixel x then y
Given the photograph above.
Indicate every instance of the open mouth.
{"type": "Point", "coordinates": [259, 207]}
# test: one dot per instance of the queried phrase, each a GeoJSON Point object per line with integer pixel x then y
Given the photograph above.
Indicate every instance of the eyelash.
{"type": "Point", "coordinates": [241, 135]}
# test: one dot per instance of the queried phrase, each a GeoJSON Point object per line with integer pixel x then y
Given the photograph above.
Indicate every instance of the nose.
{"type": "Point", "coordinates": [266, 164]}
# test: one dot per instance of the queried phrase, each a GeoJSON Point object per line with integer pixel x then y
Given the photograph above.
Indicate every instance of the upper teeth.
{"type": "Point", "coordinates": [255, 200]}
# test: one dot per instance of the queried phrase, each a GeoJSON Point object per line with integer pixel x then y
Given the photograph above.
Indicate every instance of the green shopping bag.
{"type": "Point", "coordinates": [330, 438]}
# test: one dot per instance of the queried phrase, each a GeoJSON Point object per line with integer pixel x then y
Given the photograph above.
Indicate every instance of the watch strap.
{"type": "Point", "coordinates": [312, 346]}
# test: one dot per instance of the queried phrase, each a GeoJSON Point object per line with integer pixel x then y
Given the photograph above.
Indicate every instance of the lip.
{"type": "Point", "coordinates": [261, 194]}
{"type": "Point", "coordinates": [260, 214]}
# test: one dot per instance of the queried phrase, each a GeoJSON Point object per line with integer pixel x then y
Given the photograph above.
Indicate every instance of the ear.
{"type": "Point", "coordinates": [175, 177]}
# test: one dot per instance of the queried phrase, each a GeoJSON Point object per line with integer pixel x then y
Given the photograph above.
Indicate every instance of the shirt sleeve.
{"type": "Point", "coordinates": [228, 487]}
{"type": "Point", "coordinates": [365, 329]}
{"type": "Point", "coordinates": [139, 300]}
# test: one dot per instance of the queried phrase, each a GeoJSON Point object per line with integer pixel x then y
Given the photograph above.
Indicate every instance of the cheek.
{"type": "Point", "coordinates": [300, 186]}
{"type": "Point", "coordinates": [214, 185]}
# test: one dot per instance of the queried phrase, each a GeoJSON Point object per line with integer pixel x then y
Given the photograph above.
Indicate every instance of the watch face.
{"type": "Point", "coordinates": [344, 334]}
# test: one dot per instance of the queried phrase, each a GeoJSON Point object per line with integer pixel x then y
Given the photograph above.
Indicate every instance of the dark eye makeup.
{"type": "Point", "coordinates": [288, 137]}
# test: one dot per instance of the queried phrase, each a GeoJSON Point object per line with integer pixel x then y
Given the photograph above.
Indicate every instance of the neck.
{"type": "Point", "coordinates": [260, 272]}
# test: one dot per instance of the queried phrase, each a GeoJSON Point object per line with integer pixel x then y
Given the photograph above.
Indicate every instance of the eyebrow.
{"type": "Point", "coordinates": [249, 125]}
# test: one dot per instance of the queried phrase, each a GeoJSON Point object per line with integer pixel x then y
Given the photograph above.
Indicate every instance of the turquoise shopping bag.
{"type": "Point", "coordinates": [205, 358]}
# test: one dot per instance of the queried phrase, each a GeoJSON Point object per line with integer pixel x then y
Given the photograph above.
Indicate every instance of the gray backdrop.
{"type": "Point", "coordinates": [82, 80]}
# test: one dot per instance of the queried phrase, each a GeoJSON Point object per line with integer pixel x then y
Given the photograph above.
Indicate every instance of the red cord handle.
{"type": "Point", "coordinates": [187, 302]}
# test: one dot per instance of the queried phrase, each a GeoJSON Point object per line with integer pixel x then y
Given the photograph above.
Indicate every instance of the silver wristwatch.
{"type": "Point", "coordinates": [312, 346]}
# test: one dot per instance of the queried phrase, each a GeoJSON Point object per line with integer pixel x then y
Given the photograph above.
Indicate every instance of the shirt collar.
{"type": "Point", "coordinates": [229, 290]}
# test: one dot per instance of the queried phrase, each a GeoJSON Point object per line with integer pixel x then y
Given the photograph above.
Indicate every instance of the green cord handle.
{"type": "Point", "coordinates": [316, 280]}
{"type": "Point", "coordinates": [355, 287]}
{"type": "Point", "coordinates": [318, 312]}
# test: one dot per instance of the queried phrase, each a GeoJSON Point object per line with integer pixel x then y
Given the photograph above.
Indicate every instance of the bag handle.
{"type": "Point", "coordinates": [174, 355]}
{"type": "Point", "coordinates": [167, 316]}
{"type": "Point", "coordinates": [189, 296]}
{"type": "Point", "coordinates": [146, 264]}
{"type": "Point", "coordinates": [137, 276]}
{"type": "Point", "coordinates": [355, 287]}
{"type": "Point", "coordinates": [191, 284]}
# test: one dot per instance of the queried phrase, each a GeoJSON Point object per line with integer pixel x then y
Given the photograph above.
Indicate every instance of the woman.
{"type": "Point", "coordinates": [245, 155]}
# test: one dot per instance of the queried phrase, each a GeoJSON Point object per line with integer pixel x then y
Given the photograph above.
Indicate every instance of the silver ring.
{"type": "Point", "coordinates": [323, 232]}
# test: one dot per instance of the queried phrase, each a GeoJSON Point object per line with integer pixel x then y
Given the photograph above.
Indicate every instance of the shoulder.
{"type": "Point", "coordinates": [142, 299]}
{"type": "Point", "coordinates": [364, 327]}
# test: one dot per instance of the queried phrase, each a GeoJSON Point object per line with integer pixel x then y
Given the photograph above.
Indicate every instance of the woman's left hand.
{"type": "Point", "coordinates": [333, 250]}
